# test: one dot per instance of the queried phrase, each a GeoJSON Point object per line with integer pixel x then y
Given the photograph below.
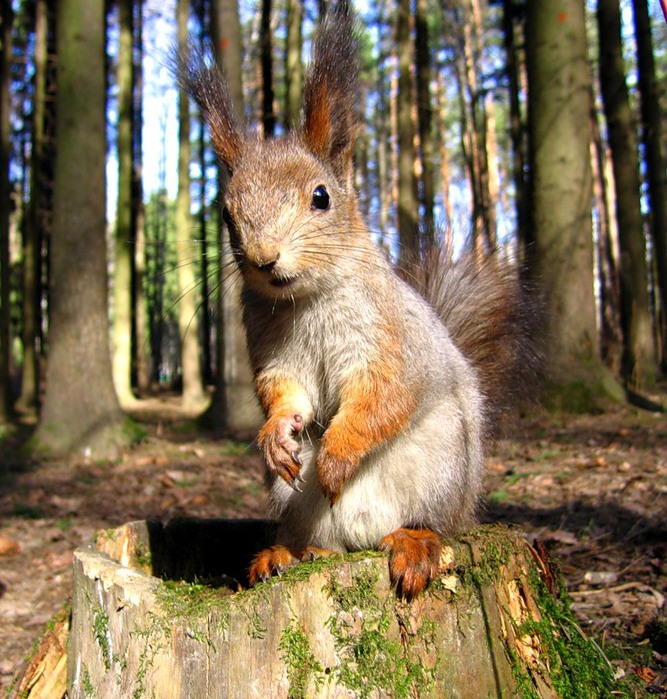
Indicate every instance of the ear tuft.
{"type": "Point", "coordinates": [330, 123]}
{"type": "Point", "coordinates": [199, 75]}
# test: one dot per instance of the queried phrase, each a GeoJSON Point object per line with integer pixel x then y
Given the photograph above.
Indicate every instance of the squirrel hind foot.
{"type": "Point", "coordinates": [414, 558]}
{"type": "Point", "coordinates": [270, 562]}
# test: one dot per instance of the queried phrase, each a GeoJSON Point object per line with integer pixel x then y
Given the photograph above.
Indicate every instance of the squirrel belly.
{"type": "Point", "coordinates": [427, 473]}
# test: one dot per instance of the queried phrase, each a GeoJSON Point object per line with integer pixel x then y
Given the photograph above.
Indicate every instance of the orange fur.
{"type": "Point", "coordinates": [414, 557]}
{"type": "Point", "coordinates": [317, 125]}
{"type": "Point", "coordinates": [276, 392]}
{"type": "Point", "coordinates": [271, 561]}
{"type": "Point", "coordinates": [287, 409]}
{"type": "Point", "coordinates": [375, 407]}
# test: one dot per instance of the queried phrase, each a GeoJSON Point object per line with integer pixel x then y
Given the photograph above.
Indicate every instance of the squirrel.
{"type": "Point", "coordinates": [378, 398]}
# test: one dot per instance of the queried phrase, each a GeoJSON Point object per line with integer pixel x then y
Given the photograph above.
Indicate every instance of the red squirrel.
{"type": "Point", "coordinates": [377, 398]}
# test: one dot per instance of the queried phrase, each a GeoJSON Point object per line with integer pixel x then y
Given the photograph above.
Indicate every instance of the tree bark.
{"type": "Point", "coordinates": [141, 354]}
{"type": "Point", "coordinates": [408, 203]}
{"type": "Point", "coordinates": [124, 248]}
{"type": "Point", "coordinates": [80, 411]}
{"type": "Point", "coordinates": [234, 381]}
{"type": "Point", "coordinates": [654, 153]}
{"type": "Point", "coordinates": [145, 621]}
{"type": "Point", "coordinates": [268, 98]}
{"type": "Point", "coordinates": [28, 400]}
{"type": "Point", "coordinates": [639, 358]}
{"type": "Point", "coordinates": [516, 129]}
{"type": "Point", "coordinates": [424, 119]}
{"type": "Point", "coordinates": [293, 63]}
{"type": "Point", "coordinates": [193, 396]}
{"type": "Point", "coordinates": [560, 191]}
{"type": "Point", "coordinates": [7, 20]}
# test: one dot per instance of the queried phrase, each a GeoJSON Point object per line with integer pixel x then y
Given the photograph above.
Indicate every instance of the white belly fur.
{"type": "Point", "coordinates": [412, 481]}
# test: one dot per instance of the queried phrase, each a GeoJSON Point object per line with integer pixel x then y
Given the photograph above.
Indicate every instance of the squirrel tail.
{"type": "Point", "coordinates": [494, 319]}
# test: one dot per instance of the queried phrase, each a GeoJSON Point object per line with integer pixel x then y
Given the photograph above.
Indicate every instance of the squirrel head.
{"type": "Point", "coordinates": [290, 205]}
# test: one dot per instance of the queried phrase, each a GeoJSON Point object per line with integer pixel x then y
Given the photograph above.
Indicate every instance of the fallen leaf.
{"type": "Point", "coordinates": [646, 674]}
{"type": "Point", "coordinates": [601, 577]}
{"type": "Point", "coordinates": [8, 547]}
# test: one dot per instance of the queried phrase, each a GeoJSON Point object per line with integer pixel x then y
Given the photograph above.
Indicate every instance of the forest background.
{"type": "Point", "coordinates": [533, 129]}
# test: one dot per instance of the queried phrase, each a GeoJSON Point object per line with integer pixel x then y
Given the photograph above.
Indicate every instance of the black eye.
{"type": "Point", "coordinates": [226, 217]}
{"type": "Point", "coordinates": [320, 198]}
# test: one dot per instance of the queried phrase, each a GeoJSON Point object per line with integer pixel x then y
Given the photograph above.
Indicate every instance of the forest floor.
{"type": "Point", "coordinates": [592, 488]}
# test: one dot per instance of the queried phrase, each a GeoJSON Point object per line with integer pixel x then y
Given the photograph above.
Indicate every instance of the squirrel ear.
{"type": "Point", "coordinates": [329, 121]}
{"type": "Point", "coordinates": [205, 82]}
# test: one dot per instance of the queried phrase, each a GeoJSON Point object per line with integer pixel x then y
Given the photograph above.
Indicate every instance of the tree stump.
{"type": "Point", "coordinates": [158, 611]}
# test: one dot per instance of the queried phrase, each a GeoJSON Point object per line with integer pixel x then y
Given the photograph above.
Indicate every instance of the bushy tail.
{"type": "Point", "coordinates": [493, 318]}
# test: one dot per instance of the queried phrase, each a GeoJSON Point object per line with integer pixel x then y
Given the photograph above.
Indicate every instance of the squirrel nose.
{"type": "Point", "coordinates": [263, 256]}
{"type": "Point", "coordinates": [267, 266]}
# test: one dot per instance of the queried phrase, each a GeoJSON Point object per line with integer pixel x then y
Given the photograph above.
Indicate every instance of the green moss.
{"type": "Point", "coordinates": [577, 666]}
{"type": "Point", "coordinates": [299, 660]}
{"type": "Point", "coordinates": [144, 556]}
{"type": "Point", "coordinates": [101, 633]}
{"type": "Point", "coordinates": [192, 601]}
{"type": "Point", "coordinates": [88, 689]}
{"type": "Point", "coordinates": [480, 565]}
{"type": "Point", "coordinates": [373, 661]}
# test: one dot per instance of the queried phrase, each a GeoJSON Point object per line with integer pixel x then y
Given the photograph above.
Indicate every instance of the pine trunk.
{"type": "Point", "coordinates": [6, 19]}
{"type": "Point", "coordinates": [424, 118]}
{"type": "Point", "coordinates": [28, 401]}
{"type": "Point", "coordinates": [266, 44]}
{"type": "Point", "coordinates": [561, 193]}
{"type": "Point", "coordinates": [293, 64]}
{"type": "Point", "coordinates": [156, 612]}
{"type": "Point", "coordinates": [234, 380]}
{"type": "Point", "coordinates": [408, 204]}
{"type": "Point", "coordinates": [639, 359]}
{"type": "Point", "coordinates": [193, 396]}
{"type": "Point", "coordinates": [654, 150]}
{"type": "Point", "coordinates": [516, 127]}
{"type": "Point", "coordinates": [122, 293]}
{"type": "Point", "coordinates": [80, 411]}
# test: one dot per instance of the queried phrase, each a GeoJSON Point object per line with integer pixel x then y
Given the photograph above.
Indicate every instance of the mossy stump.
{"type": "Point", "coordinates": [157, 612]}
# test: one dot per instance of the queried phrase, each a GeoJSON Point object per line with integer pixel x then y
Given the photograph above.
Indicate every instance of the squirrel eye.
{"type": "Point", "coordinates": [320, 198]}
{"type": "Point", "coordinates": [226, 217]}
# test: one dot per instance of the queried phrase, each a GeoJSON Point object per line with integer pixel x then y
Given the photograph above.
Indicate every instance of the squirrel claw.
{"type": "Point", "coordinates": [296, 458]}
{"type": "Point", "coordinates": [294, 485]}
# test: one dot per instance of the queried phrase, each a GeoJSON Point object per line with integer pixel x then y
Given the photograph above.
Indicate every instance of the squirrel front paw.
{"type": "Point", "coordinates": [281, 449]}
{"type": "Point", "coordinates": [333, 472]}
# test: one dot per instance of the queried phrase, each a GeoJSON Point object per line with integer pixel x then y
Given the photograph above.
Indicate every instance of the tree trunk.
{"type": "Point", "coordinates": [445, 168]}
{"type": "Point", "coordinates": [654, 153]}
{"type": "Point", "coordinates": [193, 396]}
{"type": "Point", "coordinates": [141, 354]}
{"type": "Point", "coordinates": [516, 128]}
{"type": "Point", "coordinates": [424, 118]}
{"type": "Point", "coordinates": [234, 381]}
{"type": "Point", "coordinates": [611, 336]}
{"type": "Point", "coordinates": [80, 411]}
{"type": "Point", "coordinates": [266, 43]}
{"type": "Point", "coordinates": [560, 191]}
{"type": "Point", "coordinates": [124, 248]}
{"type": "Point", "coordinates": [155, 612]}
{"type": "Point", "coordinates": [408, 203]}
{"type": "Point", "coordinates": [639, 359]}
{"type": "Point", "coordinates": [7, 20]}
{"type": "Point", "coordinates": [293, 63]}
{"type": "Point", "coordinates": [28, 400]}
